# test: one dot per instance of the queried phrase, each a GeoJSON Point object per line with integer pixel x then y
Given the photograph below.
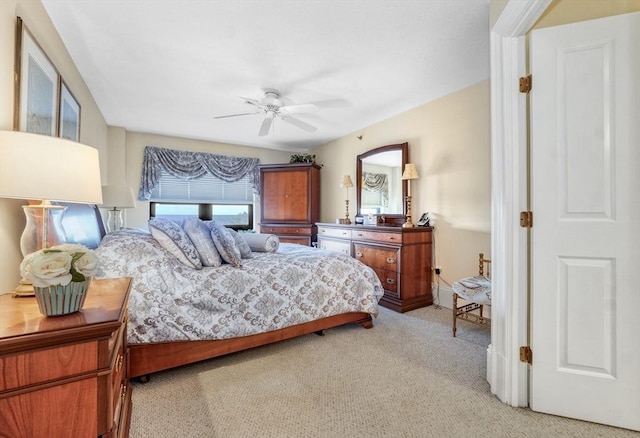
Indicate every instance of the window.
{"type": "Point", "coordinates": [206, 197]}
{"type": "Point", "coordinates": [372, 201]}
{"type": "Point", "coordinates": [236, 216]}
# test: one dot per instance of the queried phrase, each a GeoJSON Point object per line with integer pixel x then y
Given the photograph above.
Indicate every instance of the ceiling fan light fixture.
{"type": "Point", "coordinates": [271, 106]}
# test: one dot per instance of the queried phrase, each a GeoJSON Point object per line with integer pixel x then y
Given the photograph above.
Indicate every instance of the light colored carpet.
{"type": "Point", "coordinates": [406, 377]}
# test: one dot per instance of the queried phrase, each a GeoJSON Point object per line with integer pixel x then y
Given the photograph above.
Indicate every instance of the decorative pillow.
{"type": "Point", "coordinates": [199, 233]}
{"type": "Point", "coordinates": [173, 238]}
{"type": "Point", "coordinates": [261, 242]}
{"type": "Point", "coordinates": [243, 246]}
{"type": "Point", "coordinates": [225, 244]}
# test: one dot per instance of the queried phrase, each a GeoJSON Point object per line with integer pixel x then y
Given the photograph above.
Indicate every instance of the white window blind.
{"type": "Point", "coordinates": [371, 198]}
{"type": "Point", "coordinates": [206, 189]}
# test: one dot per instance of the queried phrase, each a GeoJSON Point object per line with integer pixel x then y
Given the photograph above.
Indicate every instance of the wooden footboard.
{"type": "Point", "coordinates": [150, 358]}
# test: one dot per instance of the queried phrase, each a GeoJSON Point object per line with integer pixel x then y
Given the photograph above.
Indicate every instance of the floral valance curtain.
{"type": "Point", "coordinates": [377, 182]}
{"type": "Point", "coordinates": [191, 165]}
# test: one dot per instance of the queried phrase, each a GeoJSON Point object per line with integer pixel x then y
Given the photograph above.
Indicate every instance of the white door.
{"type": "Point", "coordinates": [585, 240]}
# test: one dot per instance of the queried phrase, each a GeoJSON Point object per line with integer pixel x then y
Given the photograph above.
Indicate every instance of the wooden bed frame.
{"type": "Point", "coordinates": [145, 359]}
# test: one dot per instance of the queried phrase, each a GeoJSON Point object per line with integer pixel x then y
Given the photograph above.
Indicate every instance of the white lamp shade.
{"type": "Point", "coordinates": [410, 171]}
{"type": "Point", "coordinates": [48, 168]}
{"type": "Point", "coordinates": [118, 196]}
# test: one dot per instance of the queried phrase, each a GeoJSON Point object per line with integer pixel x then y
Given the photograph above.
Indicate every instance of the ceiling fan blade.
{"type": "Point", "coordinates": [302, 108]}
{"type": "Point", "coordinates": [252, 101]}
{"type": "Point", "coordinates": [266, 125]}
{"type": "Point", "coordinates": [236, 115]}
{"type": "Point", "coordinates": [299, 123]}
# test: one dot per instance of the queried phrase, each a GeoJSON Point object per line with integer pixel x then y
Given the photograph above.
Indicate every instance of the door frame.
{"type": "Point", "coordinates": [507, 376]}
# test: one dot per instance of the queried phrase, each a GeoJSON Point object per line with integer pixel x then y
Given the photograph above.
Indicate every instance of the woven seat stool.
{"type": "Point", "coordinates": [476, 292]}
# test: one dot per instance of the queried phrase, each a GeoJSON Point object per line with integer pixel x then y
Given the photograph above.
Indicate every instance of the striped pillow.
{"type": "Point", "coordinates": [200, 235]}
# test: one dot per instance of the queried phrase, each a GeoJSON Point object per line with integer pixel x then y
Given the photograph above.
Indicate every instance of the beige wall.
{"type": "Point", "coordinates": [128, 161]}
{"type": "Point", "coordinates": [572, 11]}
{"type": "Point", "coordinates": [496, 8]}
{"type": "Point", "coordinates": [449, 141]}
{"type": "Point", "coordinates": [93, 129]}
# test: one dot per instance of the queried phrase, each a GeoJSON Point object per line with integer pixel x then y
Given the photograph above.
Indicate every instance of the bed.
{"type": "Point", "coordinates": [180, 315]}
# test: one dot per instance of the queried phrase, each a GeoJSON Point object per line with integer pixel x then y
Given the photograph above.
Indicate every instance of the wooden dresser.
{"type": "Point", "coordinates": [66, 376]}
{"type": "Point", "coordinates": [400, 256]}
{"type": "Point", "coordinates": [290, 201]}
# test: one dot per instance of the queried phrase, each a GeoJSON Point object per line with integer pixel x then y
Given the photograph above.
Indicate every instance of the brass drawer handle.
{"type": "Point", "coordinates": [391, 260]}
{"type": "Point", "coordinates": [358, 254]}
{"type": "Point", "coordinates": [344, 233]}
{"type": "Point", "coordinates": [391, 281]}
{"type": "Point", "coordinates": [392, 237]}
{"type": "Point", "coordinates": [123, 391]}
{"type": "Point", "coordinates": [119, 362]}
{"type": "Point", "coordinates": [359, 234]}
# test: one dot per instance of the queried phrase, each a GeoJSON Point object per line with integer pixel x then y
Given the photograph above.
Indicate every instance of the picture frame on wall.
{"type": "Point", "coordinates": [37, 85]}
{"type": "Point", "coordinates": [68, 114]}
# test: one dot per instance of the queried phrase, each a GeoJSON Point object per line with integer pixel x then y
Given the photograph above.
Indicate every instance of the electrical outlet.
{"type": "Point", "coordinates": [438, 270]}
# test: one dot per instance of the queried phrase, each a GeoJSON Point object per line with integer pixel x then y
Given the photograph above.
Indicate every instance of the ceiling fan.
{"type": "Point", "coordinates": [272, 107]}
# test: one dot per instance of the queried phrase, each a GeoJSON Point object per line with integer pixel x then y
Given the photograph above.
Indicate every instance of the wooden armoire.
{"type": "Point", "coordinates": [290, 201]}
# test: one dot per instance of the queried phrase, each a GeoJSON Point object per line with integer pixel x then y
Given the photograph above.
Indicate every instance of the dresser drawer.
{"type": "Point", "coordinates": [25, 369]}
{"type": "Point", "coordinates": [377, 257]}
{"type": "Point", "coordinates": [389, 280]}
{"type": "Point", "coordinates": [335, 245]}
{"type": "Point", "coordinates": [335, 232]}
{"type": "Point", "coordinates": [303, 231]}
{"type": "Point", "coordinates": [301, 240]}
{"type": "Point", "coordinates": [377, 236]}
{"type": "Point", "coordinates": [118, 374]}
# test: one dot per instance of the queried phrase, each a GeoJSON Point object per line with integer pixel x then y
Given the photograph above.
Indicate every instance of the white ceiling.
{"type": "Point", "coordinates": [170, 66]}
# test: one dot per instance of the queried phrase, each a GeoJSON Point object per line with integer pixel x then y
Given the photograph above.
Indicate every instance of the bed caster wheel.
{"type": "Point", "coordinates": [145, 378]}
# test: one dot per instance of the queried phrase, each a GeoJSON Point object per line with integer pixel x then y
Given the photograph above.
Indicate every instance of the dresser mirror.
{"type": "Point", "coordinates": [380, 190]}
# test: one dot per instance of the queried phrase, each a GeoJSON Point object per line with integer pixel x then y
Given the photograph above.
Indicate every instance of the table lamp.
{"type": "Point", "coordinates": [346, 182]}
{"type": "Point", "coordinates": [410, 172]}
{"type": "Point", "coordinates": [42, 168]}
{"type": "Point", "coordinates": [117, 197]}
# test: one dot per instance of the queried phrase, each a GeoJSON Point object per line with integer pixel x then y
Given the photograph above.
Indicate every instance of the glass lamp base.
{"type": "Point", "coordinates": [114, 220]}
{"type": "Point", "coordinates": [43, 228]}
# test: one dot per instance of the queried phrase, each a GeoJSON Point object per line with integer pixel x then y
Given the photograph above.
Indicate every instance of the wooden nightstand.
{"type": "Point", "coordinates": [66, 376]}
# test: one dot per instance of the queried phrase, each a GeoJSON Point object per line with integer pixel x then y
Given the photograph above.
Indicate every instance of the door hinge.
{"type": "Point", "coordinates": [526, 219]}
{"type": "Point", "coordinates": [526, 355]}
{"type": "Point", "coordinates": [525, 84]}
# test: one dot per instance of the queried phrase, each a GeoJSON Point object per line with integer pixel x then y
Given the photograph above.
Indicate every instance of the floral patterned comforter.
{"type": "Point", "coordinates": [172, 302]}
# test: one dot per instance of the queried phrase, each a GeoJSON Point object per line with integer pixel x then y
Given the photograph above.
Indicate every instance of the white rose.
{"type": "Point", "coordinates": [87, 264]}
{"type": "Point", "coordinates": [25, 266]}
{"type": "Point", "coordinates": [49, 269]}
